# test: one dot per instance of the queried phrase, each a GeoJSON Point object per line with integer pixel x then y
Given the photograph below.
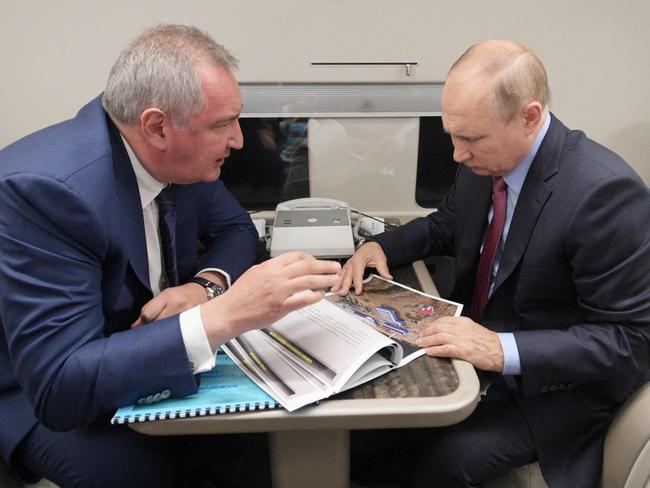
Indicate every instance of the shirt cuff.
{"type": "Point", "coordinates": [511, 362]}
{"type": "Point", "coordinates": [220, 271]}
{"type": "Point", "coordinates": [196, 341]}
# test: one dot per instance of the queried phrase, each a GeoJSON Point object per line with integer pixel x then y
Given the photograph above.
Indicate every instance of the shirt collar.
{"type": "Point", "coordinates": [515, 179]}
{"type": "Point", "coordinates": [148, 186]}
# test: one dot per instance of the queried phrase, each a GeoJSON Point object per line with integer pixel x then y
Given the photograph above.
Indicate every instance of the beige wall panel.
{"type": "Point", "coordinates": [56, 55]}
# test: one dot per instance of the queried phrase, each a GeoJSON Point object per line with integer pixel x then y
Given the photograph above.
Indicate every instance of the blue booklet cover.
{"type": "Point", "coordinates": [223, 389]}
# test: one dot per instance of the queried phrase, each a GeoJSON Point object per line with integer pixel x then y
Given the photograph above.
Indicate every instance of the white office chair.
{"type": "Point", "coordinates": [626, 459]}
{"type": "Point", "coordinates": [627, 445]}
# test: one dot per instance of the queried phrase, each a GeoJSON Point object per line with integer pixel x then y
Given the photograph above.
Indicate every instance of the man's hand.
{"type": "Point", "coordinates": [171, 301]}
{"type": "Point", "coordinates": [267, 292]}
{"type": "Point", "coordinates": [462, 338]}
{"type": "Point", "coordinates": [370, 254]}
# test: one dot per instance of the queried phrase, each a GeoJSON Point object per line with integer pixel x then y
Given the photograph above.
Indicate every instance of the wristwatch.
{"type": "Point", "coordinates": [211, 289]}
{"type": "Point", "coordinates": [364, 240]}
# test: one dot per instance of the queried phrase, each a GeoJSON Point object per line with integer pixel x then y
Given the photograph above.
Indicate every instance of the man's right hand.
{"type": "Point", "coordinates": [370, 254]}
{"type": "Point", "coordinates": [267, 292]}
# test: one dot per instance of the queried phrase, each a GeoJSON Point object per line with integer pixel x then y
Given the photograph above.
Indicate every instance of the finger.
{"type": "Point", "coordinates": [299, 262]}
{"type": "Point", "coordinates": [310, 282]}
{"type": "Point", "coordinates": [427, 331]}
{"type": "Point", "coordinates": [428, 340]}
{"type": "Point", "coordinates": [338, 286]}
{"type": "Point", "coordinates": [442, 324]}
{"type": "Point", "coordinates": [432, 329]}
{"type": "Point", "coordinates": [311, 266]}
{"type": "Point", "coordinates": [346, 280]}
{"type": "Point", "coordinates": [337, 280]}
{"type": "Point", "coordinates": [437, 339]}
{"type": "Point", "coordinates": [357, 278]}
{"type": "Point", "coordinates": [152, 310]}
{"type": "Point", "coordinates": [137, 323]}
{"type": "Point", "coordinates": [299, 300]}
{"type": "Point", "coordinates": [442, 351]}
{"type": "Point", "coordinates": [382, 268]}
{"type": "Point", "coordinates": [287, 258]}
{"type": "Point", "coordinates": [356, 274]}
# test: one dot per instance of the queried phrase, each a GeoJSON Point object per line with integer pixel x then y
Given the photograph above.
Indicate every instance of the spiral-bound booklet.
{"type": "Point", "coordinates": [223, 389]}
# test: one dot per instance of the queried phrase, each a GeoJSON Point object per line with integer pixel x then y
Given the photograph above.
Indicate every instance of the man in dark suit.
{"type": "Point", "coordinates": [551, 240]}
{"type": "Point", "coordinates": [98, 308]}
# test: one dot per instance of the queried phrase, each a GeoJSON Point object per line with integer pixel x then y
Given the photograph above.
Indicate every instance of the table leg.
{"type": "Point", "coordinates": [310, 458]}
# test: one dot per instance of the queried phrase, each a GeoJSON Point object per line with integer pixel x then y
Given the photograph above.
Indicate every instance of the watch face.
{"type": "Point", "coordinates": [213, 290]}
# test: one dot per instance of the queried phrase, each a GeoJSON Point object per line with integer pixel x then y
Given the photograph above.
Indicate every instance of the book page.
{"type": "Point", "coordinates": [396, 311]}
{"type": "Point", "coordinates": [274, 373]}
{"type": "Point", "coordinates": [374, 367]}
{"type": "Point", "coordinates": [328, 342]}
{"type": "Point", "coordinates": [312, 353]}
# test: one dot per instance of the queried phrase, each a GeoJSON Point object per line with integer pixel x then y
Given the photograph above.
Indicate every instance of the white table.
{"type": "Point", "coordinates": [310, 447]}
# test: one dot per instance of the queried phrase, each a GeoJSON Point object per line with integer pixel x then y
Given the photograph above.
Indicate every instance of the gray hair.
{"type": "Point", "coordinates": [159, 69]}
{"type": "Point", "coordinates": [518, 76]}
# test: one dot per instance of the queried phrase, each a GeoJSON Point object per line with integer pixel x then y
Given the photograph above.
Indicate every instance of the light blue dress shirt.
{"type": "Point", "coordinates": [515, 181]}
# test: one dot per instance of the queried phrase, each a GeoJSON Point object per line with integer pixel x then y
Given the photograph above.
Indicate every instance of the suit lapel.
{"type": "Point", "coordinates": [468, 251]}
{"type": "Point", "coordinates": [129, 208]}
{"type": "Point", "coordinates": [534, 195]}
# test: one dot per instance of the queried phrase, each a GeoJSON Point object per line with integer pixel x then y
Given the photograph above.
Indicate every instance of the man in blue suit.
{"type": "Point", "coordinates": [96, 311]}
{"type": "Point", "coordinates": [559, 312]}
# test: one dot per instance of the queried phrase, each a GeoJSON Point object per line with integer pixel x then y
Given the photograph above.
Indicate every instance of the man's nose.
{"type": "Point", "coordinates": [461, 152]}
{"type": "Point", "coordinates": [236, 140]}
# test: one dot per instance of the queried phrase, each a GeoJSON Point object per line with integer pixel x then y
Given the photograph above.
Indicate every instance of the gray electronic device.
{"type": "Point", "coordinates": [318, 226]}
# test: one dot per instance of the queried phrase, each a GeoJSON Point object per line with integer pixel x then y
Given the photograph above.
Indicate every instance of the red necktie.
{"type": "Point", "coordinates": [490, 245]}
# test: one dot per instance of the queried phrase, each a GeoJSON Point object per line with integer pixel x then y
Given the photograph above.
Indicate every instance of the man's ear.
{"type": "Point", "coordinates": [152, 122]}
{"type": "Point", "coordinates": [532, 116]}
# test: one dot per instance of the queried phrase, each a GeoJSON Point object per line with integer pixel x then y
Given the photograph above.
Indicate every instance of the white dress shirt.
{"type": "Point", "coordinates": [195, 339]}
{"type": "Point", "coordinates": [515, 181]}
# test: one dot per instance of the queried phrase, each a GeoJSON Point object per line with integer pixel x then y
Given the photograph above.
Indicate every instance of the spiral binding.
{"type": "Point", "coordinates": [199, 412]}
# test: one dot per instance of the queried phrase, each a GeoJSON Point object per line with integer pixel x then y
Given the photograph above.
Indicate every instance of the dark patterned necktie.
{"type": "Point", "coordinates": [490, 246]}
{"type": "Point", "coordinates": [167, 227]}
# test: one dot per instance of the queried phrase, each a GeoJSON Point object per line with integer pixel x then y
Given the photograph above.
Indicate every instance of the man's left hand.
{"type": "Point", "coordinates": [462, 338]}
{"type": "Point", "coordinates": [171, 301]}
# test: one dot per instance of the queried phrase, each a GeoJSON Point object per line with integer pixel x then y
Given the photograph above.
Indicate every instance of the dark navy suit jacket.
{"type": "Point", "coordinates": [573, 286]}
{"type": "Point", "coordinates": [74, 275]}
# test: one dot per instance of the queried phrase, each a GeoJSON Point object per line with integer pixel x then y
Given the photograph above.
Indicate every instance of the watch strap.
{"type": "Point", "coordinates": [211, 288]}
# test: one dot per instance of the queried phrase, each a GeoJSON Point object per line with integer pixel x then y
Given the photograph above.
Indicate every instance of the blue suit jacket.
{"type": "Point", "coordinates": [74, 275]}
{"type": "Point", "coordinates": [573, 286]}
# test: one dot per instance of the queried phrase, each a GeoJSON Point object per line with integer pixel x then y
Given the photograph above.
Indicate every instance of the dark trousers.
{"type": "Point", "coordinates": [103, 455]}
{"type": "Point", "coordinates": [490, 442]}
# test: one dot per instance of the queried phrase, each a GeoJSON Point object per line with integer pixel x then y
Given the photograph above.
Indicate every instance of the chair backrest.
{"type": "Point", "coordinates": [626, 460]}
{"type": "Point", "coordinates": [626, 457]}
{"type": "Point", "coordinates": [526, 476]}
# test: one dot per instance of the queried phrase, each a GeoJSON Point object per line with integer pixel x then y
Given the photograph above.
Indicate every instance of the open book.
{"type": "Point", "coordinates": [339, 342]}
